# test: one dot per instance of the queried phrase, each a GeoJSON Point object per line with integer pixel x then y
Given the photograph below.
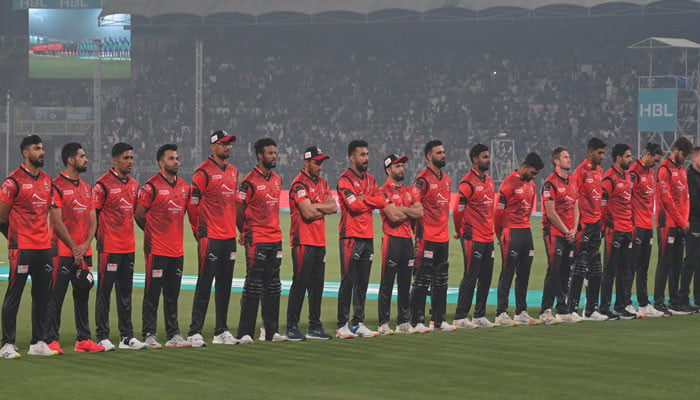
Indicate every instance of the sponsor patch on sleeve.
{"type": "Point", "coordinates": [301, 193]}
{"type": "Point", "coordinates": [351, 199]}
{"type": "Point", "coordinates": [242, 195]}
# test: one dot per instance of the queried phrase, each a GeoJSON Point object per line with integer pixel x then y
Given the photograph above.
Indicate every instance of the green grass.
{"type": "Point", "coordinates": [44, 67]}
{"type": "Point", "coordinates": [649, 358]}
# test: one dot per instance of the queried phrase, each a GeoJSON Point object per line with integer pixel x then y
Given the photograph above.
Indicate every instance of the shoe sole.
{"type": "Point", "coordinates": [13, 357]}
{"type": "Point", "coordinates": [310, 337]}
{"type": "Point", "coordinates": [54, 353]}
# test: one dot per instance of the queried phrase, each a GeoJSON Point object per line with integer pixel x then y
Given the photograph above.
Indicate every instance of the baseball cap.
{"type": "Point", "coordinates": [314, 153]}
{"type": "Point", "coordinates": [222, 136]}
{"type": "Point", "coordinates": [394, 159]}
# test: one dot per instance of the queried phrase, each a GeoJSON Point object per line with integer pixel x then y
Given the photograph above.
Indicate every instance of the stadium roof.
{"type": "Point", "coordinates": [665, 43]}
{"type": "Point", "coordinates": [243, 12]}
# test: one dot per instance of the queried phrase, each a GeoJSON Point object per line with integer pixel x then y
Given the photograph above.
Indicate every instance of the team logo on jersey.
{"type": "Point", "coordinates": [212, 257]}
{"type": "Point", "coordinates": [227, 190]}
{"type": "Point", "coordinates": [124, 204]}
{"type": "Point", "coordinates": [477, 254]}
{"type": "Point", "coordinates": [78, 206]}
{"type": "Point", "coordinates": [442, 199]}
{"type": "Point", "coordinates": [173, 207]}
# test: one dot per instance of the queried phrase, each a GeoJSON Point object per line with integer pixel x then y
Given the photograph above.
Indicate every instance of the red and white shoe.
{"type": "Point", "coordinates": [56, 347]}
{"type": "Point", "coordinates": [88, 346]}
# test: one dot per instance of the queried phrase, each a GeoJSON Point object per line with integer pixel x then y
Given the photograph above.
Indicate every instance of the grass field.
{"type": "Point", "coordinates": [45, 67]}
{"type": "Point", "coordinates": [648, 358]}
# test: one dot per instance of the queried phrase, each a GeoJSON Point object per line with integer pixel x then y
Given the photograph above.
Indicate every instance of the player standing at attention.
{"type": "Point", "coordinates": [72, 217]}
{"type": "Point", "coordinates": [398, 255]}
{"type": "Point", "coordinates": [160, 212]}
{"type": "Point", "coordinates": [25, 197]}
{"type": "Point", "coordinates": [473, 217]}
{"type": "Point", "coordinates": [432, 187]}
{"type": "Point", "coordinates": [516, 198]}
{"type": "Point", "coordinates": [616, 214]}
{"type": "Point", "coordinates": [258, 220]}
{"type": "Point", "coordinates": [587, 178]}
{"type": "Point", "coordinates": [560, 217]}
{"type": "Point", "coordinates": [114, 196]}
{"type": "Point", "coordinates": [358, 195]}
{"type": "Point", "coordinates": [691, 266]}
{"type": "Point", "coordinates": [643, 192]}
{"type": "Point", "coordinates": [672, 210]}
{"type": "Point", "coordinates": [310, 200]}
{"type": "Point", "coordinates": [212, 214]}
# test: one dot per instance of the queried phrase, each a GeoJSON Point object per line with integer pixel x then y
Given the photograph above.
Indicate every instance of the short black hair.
{"type": "Point", "coordinates": [262, 143]}
{"type": "Point", "coordinates": [533, 160]}
{"type": "Point", "coordinates": [619, 150]}
{"type": "Point", "coordinates": [653, 149]}
{"type": "Point", "coordinates": [556, 152]}
{"type": "Point", "coordinates": [69, 150]}
{"type": "Point", "coordinates": [595, 144]}
{"type": "Point", "coordinates": [28, 141]}
{"type": "Point", "coordinates": [162, 149]}
{"type": "Point", "coordinates": [683, 144]}
{"type": "Point", "coordinates": [354, 145]}
{"type": "Point", "coordinates": [119, 148]}
{"type": "Point", "coordinates": [430, 146]}
{"type": "Point", "coordinates": [476, 150]}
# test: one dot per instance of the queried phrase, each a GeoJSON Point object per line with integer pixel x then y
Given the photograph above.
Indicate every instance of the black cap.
{"type": "Point", "coordinates": [394, 159]}
{"type": "Point", "coordinates": [314, 153]}
{"type": "Point", "coordinates": [221, 136]}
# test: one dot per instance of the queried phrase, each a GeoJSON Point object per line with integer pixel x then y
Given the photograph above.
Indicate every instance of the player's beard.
{"type": "Point", "coordinates": [81, 169]}
{"type": "Point", "coordinates": [269, 164]}
{"type": "Point", "coordinates": [37, 162]}
{"type": "Point", "coordinates": [485, 167]}
{"type": "Point", "coordinates": [361, 167]}
{"type": "Point", "coordinates": [397, 177]}
{"type": "Point", "coordinates": [172, 170]}
{"type": "Point", "coordinates": [440, 163]}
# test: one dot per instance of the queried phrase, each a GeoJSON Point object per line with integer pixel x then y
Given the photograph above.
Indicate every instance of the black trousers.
{"type": "Point", "coordinates": [163, 274]}
{"type": "Point", "coordinates": [398, 259]}
{"type": "Point", "coordinates": [560, 256]}
{"type": "Point", "coordinates": [64, 270]}
{"type": "Point", "coordinates": [641, 253]}
{"type": "Point", "coordinates": [356, 255]}
{"type": "Point", "coordinates": [691, 265]}
{"type": "Point", "coordinates": [262, 286]}
{"type": "Point", "coordinates": [478, 266]}
{"type": "Point", "coordinates": [114, 270]}
{"type": "Point", "coordinates": [309, 264]}
{"type": "Point", "coordinates": [671, 244]}
{"type": "Point", "coordinates": [431, 268]}
{"type": "Point", "coordinates": [38, 264]}
{"type": "Point", "coordinates": [618, 256]}
{"type": "Point", "coordinates": [517, 252]}
{"type": "Point", "coordinates": [216, 259]}
{"type": "Point", "coordinates": [586, 265]}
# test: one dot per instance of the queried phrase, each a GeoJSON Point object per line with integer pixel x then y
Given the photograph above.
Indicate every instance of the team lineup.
{"type": "Point", "coordinates": [50, 225]}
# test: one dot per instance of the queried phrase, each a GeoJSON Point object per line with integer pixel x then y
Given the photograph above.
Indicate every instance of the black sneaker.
{"type": "Point", "coordinates": [612, 316]}
{"type": "Point", "coordinates": [662, 308]}
{"type": "Point", "coordinates": [317, 334]}
{"type": "Point", "coordinates": [696, 308]}
{"type": "Point", "coordinates": [683, 309]}
{"type": "Point", "coordinates": [294, 335]}
{"type": "Point", "coordinates": [624, 314]}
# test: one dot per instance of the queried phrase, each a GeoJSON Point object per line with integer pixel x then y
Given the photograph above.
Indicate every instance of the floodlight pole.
{"type": "Point", "coordinates": [198, 64]}
{"type": "Point", "coordinates": [96, 110]}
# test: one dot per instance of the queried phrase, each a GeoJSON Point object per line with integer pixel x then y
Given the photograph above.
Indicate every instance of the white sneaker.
{"type": "Point", "coordinates": [650, 311]}
{"type": "Point", "coordinates": [445, 327]}
{"type": "Point", "coordinates": [406, 328]}
{"type": "Point", "coordinates": [464, 323]}
{"type": "Point", "coordinates": [385, 330]}
{"type": "Point", "coordinates": [107, 344]}
{"type": "Point", "coordinates": [178, 342]}
{"type": "Point", "coordinates": [361, 330]}
{"type": "Point", "coordinates": [40, 348]}
{"type": "Point", "coordinates": [131, 344]}
{"type": "Point", "coordinates": [483, 322]}
{"type": "Point", "coordinates": [503, 319]}
{"type": "Point", "coordinates": [196, 340]}
{"type": "Point", "coordinates": [525, 319]}
{"type": "Point", "coordinates": [246, 339]}
{"type": "Point", "coordinates": [548, 318]}
{"type": "Point", "coordinates": [262, 335]}
{"type": "Point", "coordinates": [421, 328]}
{"type": "Point", "coordinates": [630, 309]}
{"type": "Point", "coordinates": [571, 318]}
{"type": "Point", "coordinates": [595, 316]}
{"type": "Point", "coordinates": [152, 343]}
{"type": "Point", "coordinates": [9, 351]}
{"type": "Point", "coordinates": [344, 333]}
{"type": "Point", "coordinates": [224, 337]}
{"type": "Point", "coordinates": [276, 338]}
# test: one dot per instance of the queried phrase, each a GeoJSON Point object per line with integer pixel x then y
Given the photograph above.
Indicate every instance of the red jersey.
{"type": "Point", "coordinates": [433, 192]}
{"type": "Point", "coordinates": [30, 198]}
{"type": "Point", "coordinates": [617, 200]}
{"type": "Point", "coordinates": [355, 214]}
{"type": "Point", "coordinates": [261, 195]}
{"type": "Point", "coordinates": [473, 213]}
{"type": "Point", "coordinates": [166, 204]}
{"type": "Point", "coordinates": [114, 199]}
{"type": "Point", "coordinates": [643, 191]}
{"type": "Point", "coordinates": [673, 204]}
{"type": "Point", "coordinates": [402, 196]}
{"type": "Point", "coordinates": [212, 209]}
{"type": "Point", "coordinates": [303, 232]}
{"type": "Point", "coordinates": [563, 192]}
{"type": "Point", "coordinates": [516, 197]}
{"type": "Point", "coordinates": [587, 179]}
{"type": "Point", "coordinates": [74, 198]}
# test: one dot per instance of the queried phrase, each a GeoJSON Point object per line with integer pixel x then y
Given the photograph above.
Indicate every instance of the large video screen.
{"type": "Point", "coordinates": [65, 44]}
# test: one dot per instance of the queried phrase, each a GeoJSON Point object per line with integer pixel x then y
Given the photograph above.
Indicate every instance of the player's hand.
{"type": "Point", "coordinates": [78, 260]}
{"type": "Point", "coordinates": [571, 235]}
{"type": "Point", "coordinates": [241, 241]}
{"type": "Point", "coordinates": [80, 249]}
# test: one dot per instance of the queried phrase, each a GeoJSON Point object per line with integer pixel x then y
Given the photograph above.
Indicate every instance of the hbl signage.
{"type": "Point", "coordinates": [656, 110]}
